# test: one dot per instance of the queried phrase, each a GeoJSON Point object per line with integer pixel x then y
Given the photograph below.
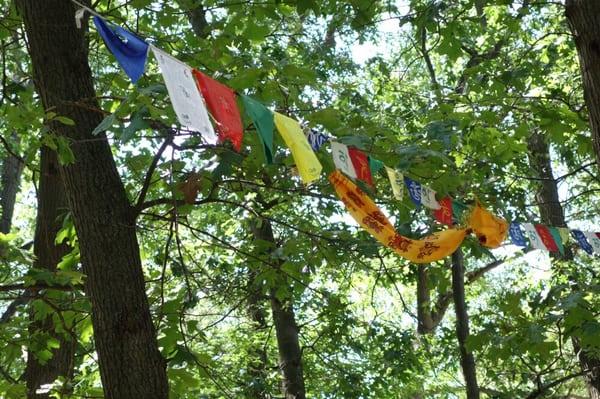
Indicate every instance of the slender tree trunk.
{"type": "Point", "coordinates": [52, 204]}
{"type": "Point", "coordinates": [287, 332]}
{"type": "Point", "coordinates": [257, 363]}
{"type": "Point", "coordinates": [584, 20]}
{"type": "Point", "coordinates": [552, 214]}
{"type": "Point", "coordinates": [10, 180]}
{"type": "Point", "coordinates": [130, 364]}
{"type": "Point", "coordinates": [424, 316]}
{"type": "Point", "coordinates": [467, 361]}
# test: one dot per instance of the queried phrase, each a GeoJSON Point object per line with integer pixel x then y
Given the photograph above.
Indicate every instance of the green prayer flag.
{"type": "Point", "coordinates": [557, 239]}
{"type": "Point", "coordinates": [458, 208]}
{"type": "Point", "coordinates": [375, 165]}
{"type": "Point", "coordinates": [263, 120]}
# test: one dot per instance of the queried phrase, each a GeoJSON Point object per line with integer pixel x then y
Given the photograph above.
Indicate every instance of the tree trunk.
{"type": "Point", "coordinates": [52, 205]}
{"type": "Point", "coordinates": [424, 317]}
{"type": "Point", "coordinates": [287, 332]}
{"type": "Point", "coordinates": [467, 361]}
{"type": "Point", "coordinates": [130, 364]}
{"type": "Point", "coordinates": [584, 20]}
{"type": "Point", "coordinates": [10, 180]}
{"type": "Point", "coordinates": [552, 214]}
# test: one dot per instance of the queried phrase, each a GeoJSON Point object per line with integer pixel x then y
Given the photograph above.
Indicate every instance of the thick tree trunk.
{"type": "Point", "coordinates": [552, 214]}
{"type": "Point", "coordinates": [130, 364]}
{"type": "Point", "coordinates": [10, 180]}
{"type": "Point", "coordinates": [52, 204]}
{"type": "Point", "coordinates": [287, 332]}
{"type": "Point", "coordinates": [424, 317]}
{"type": "Point", "coordinates": [584, 20]}
{"type": "Point", "coordinates": [467, 361]}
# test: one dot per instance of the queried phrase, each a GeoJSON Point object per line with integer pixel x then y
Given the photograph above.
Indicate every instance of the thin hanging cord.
{"type": "Point", "coordinates": [87, 8]}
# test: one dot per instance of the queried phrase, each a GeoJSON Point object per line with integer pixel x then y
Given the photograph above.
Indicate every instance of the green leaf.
{"type": "Point", "coordinates": [106, 123]}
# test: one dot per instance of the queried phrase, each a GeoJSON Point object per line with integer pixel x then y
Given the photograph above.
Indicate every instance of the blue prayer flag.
{"type": "Point", "coordinates": [583, 242]}
{"type": "Point", "coordinates": [316, 139]}
{"type": "Point", "coordinates": [516, 235]}
{"type": "Point", "coordinates": [130, 51]}
{"type": "Point", "coordinates": [414, 190]}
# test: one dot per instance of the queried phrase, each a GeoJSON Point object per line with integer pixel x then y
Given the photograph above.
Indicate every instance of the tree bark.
{"type": "Point", "coordinates": [583, 17]}
{"type": "Point", "coordinates": [130, 364]}
{"type": "Point", "coordinates": [11, 179]}
{"type": "Point", "coordinates": [424, 317]}
{"type": "Point", "coordinates": [467, 361]}
{"type": "Point", "coordinates": [287, 332]}
{"type": "Point", "coordinates": [52, 205]}
{"type": "Point", "coordinates": [552, 214]}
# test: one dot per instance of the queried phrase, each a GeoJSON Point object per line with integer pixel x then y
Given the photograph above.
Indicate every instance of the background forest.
{"type": "Point", "coordinates": [140, 262]}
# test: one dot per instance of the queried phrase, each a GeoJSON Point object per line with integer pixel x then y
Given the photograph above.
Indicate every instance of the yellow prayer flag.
{"type": "Point", "coordinates": [434, 247]}
{"type": "Point", "coordinates": [491, 230]}
{"type": "Point", "coordinates": [308, 165]}
{"type": "Point", "coordinates": [396, 181]}
{"type": "Point", "coordinates": [564, 234]}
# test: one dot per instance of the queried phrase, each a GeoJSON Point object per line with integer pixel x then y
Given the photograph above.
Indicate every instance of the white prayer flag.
{"type": "Point", "coordinates": [428, 198]}
{"type": "Point", "coordinates": [184, 94]}
{"type": "Point", "coordinates": [396, 181]}
{"type": "Point", "coordinates": [341, 158]}
{"type": "Point", "coordinates": [593, 240]}
{"type": "Point", "coordinates": [534, 237]}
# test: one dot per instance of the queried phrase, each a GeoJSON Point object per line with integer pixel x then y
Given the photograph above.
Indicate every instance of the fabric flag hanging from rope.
{"type": "Point", "coordinates": [516, 235]}
{"type": "Point", "coordinates": [434, 247]}
{"type": "Point", "coordinates": [264, 123]}
{"type": "Point", "coordinates": [444, 213]}
{"type": "Point", "coordinates": [185, 96]}
{"type": "Point", "coordinates": [557, 239]}
{"type": "Point", "coordinates": [360, 161]}
{"type": "Point", "coordinates": [594, 241]}
{"type": "Point", "coordinates": [489, 229]}
{"type": "Point", "coordinates": [397, 182]}
{"type": "Point", "coordinates": [420, 194]}
{"type": "Point", "coordinates": [534, 239]}
{"type": "Point", "coordinates": [316, 139]}
{"type": "Point", "coordinates": [341, 159]}
{"type": "Point", "coordinates": [223, 107]}
{"type": "Point", "coordinates": [130, 51]}
{"type": "Point", "coordinates": [375, 165]}
{"type": "Point", "coordinates": [546, 237]}
{"type": "Point", "coordinates": [582, 241]}
{"type": "Point", "coordinates": [308, 165]}
{"type": "Point", "coordinates": [428, 198]}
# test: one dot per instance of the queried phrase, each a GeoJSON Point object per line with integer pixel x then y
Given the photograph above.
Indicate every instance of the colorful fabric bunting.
{"type": "Point", "coordinates": [361, 165]}
{"type": "Point", "coordinates": [396, 181]}
{"type": "Point", "coordinates": [534, 239]}
{"type": "Point", "coordinates": [308, 165]}
{"type": "Point", "coordinates": [184, 94]}
{"type": "Point", "coordinates": [582, 241]}
{"type": "Point", "coordinates": [557, 239]}
{"type": "Point", "coordinates": [516, 235]}
{"type": "Point", "coordinates": [489, 229]}
{"type": "Point", "coordinates": [421, 195]}
{"type": "Point", "coordinates": [130, 51]}
{"type": "Point", "coordinates": [375, 165]}
{"type": "Point", "coordinates": [594, 241]}
{"type": "Point", "coordinates": [434, 247]}
{"type": "Point", "coordinates": [223, 107]}
{"type": "Point", "coordinates": [264, 123]}
{"type": "Point", "coordinates": [546, 237]}
{"type": "Point", "coordinates": [444, 213]}
{"type": "Point", "coordinates": [316, 139]}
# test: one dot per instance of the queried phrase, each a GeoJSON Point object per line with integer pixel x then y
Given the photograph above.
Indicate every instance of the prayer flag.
{"type": "Point", "coordinates": [223, 107]}
{"type": "Point", "coordinates": [308, 165]}
{"type": "Point", "coordinates": [264, 123]}
{"type": "Point", "coordinates": [184, 94]}
{"type": "Point", "coordinates": [316, 139]}
{"type": "Point", "coordinates": [564, 234]}
{"type": "Point", "coordinates": [361, 165]}
{"type": "Point", "coordinates": [130, 51]}
{"type": "Point", "coordinates": [458, 210]}
{"type": "Point", "coordinates": [414, 190]}
{"type": "Point", "coordinates": [396, 181]}
{"type": "Point", "coordinates": [444, 213]}
{"type": "Point", "coordinates": [557, 239]}
{"type": "Point", "coordinates": [428, 198]}
{"type": "Point", "coordinates": [582, 241]}
{"type": "Point", "coordinates": [491, 230]}
{"type": "Point", "coordinates": [594, 241]}
{"type": "Point", "coordinates": [516, 235]}
{"type": "Point", "coordinates": [534, 239]}
{"type": "Point", "coordinates": [546, 237]}
{"type": "Point", "coordinates": [341, 159]}
{"type": "Point", "coordinates": [375, 164]}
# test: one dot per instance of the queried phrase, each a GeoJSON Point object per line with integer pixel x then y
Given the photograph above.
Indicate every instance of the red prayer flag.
{"type": "Point", "coordinates": [598, 235]}
{"type": "Point", "coordinates": [360, 161]}
{"type": "Point", "coordinates": [444, 214]}
{"type": "Point", "coordinates": [220, 100]}
{"type": "Point", "coordinates": [546, 237]}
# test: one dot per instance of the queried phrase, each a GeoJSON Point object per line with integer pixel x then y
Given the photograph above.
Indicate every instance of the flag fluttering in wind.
{"type": "Point", "coordinates": [264, 123]}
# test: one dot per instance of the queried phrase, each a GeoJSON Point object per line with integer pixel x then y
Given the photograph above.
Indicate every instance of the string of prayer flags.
{"type": "Point", "coordinates": [184, 94]}
{"type": "Point", "coordinates": [582, 241]}
{"type": "Point", "coordinates": [490, 229]}
{"type": "Point", "coordinates": [263, 120]}
{"type": "Point", "coordinates": [557, 239]}
{"type": "Point", "coordinates": [360, 162]}
{"type": "Point", "coordinates": [397, 182]}
{"type": "Point", "coordinates": [534, 239]}
{"type": "Point", "coordinates": [516, 235]}
{"type": "Point", "coordinates": [429, 249]}
{"type": "Point", "coordinates": [221, 102]}
{"type": "Point", "coordinates": [308, 165]}
{"type": "Point", "coordinates": [130, 51]}
{"type": "Point", "coordinates": [420, 194]}
{"type": "Point", "coordinates": [444, 214]}
{"type": "Point", "coordinates": [546, 237]}
{"type": "Point", "coordinates": [316, 139]}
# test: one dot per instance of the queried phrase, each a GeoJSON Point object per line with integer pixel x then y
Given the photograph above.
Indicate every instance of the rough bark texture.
{"type": "Point", "coordinates": [584, 20]}
{"type": "Point", "coordinates": [287, 332]}
{"type": "Point", "coordinates": [52, 204]}
{"type": "Point", "coordinates": [10, 180]}
{"type": "Point", "coordinates": [424, 318]}
{"type": "Point", "coordinates": [552, 214]}
{"type": "Point", "coordinates": [467, 361]}
{"type": "Point", "coordinates": [130, 364]}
